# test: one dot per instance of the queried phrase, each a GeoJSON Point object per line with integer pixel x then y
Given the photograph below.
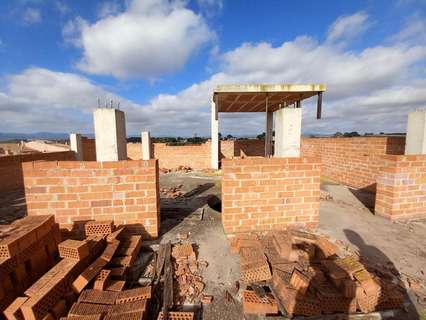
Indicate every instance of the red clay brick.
{"type": "Point", "coordinates": [85, 309]}
{"type": "Point", "coordinates": [175, 315]}
{"type": "Point", "coordinates": [13, 311]}
{"type": "Point", "coordinates": [135, 294]}
{"type": "Point", "coordinates": [73, 249]}
{"type": "Point", "coordinates": [138, 315]}
{"type": "Point", "coordinates": [252, 304]}
{"type": "Point", "coordinates": [97, 296]}
{"type": "Point", "coordinates": [133, 306]}
{"type": "Point", "coordinates": [102, 279]}
{"type": "Point", "coordinates": [115, 285]}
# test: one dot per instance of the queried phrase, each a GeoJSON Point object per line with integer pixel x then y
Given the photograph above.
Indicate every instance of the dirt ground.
{"type": "Point", "coordinates": [346, 217]}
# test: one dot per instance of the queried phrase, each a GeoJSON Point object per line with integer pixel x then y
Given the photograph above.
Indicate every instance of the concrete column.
{"type": "Point", "coordinates": [268, 135]}
{"type": "Point", "coordinates": [110, 134]}
{"type": "Point", "coordinates": [288, 125]}
{"type": "Point", "coordinates": [76, 145]}
{"type": "Point", "coordinates": [415, 141]}
{"type": "Point", "coordinates": [146, 145]}
{"type": "Point", "coordinates": [215, 136]}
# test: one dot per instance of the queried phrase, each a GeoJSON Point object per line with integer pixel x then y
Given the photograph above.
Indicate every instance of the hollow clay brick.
{"type": "Point", "coordinates": [97, 296]}
{"type": "Point", "coordinates": [85, 309]}
{"type": "Point", "coordinates": [102, 279]}
{"type": "Point", "coordinates": [88, 274]}
{"type": "Point", "coordinates": [13, 311]}
{"type": "Point", "coordinates": [252, 304]}
{"type": "Point", "coordinates": [87, 317]}
{"type": "Point", "coordinates": [255, 272]}
{"type": "Point", "coordinates": [102, 228]}
{"type": "Point", "coordinates": [110, 250]}
{"type": "Point", "coordinates": [115, 285]}
{"type": "Point", "coordinates": [175, 315]}
{"type": "Point", "coordinates": [138, 315]}
{"type": "Point", "coordinates": [135, 294]}
{"type": "Point", "coordinates": [300, 282]}
{"type": "Point", "coordinates": [73, 249]}
{"type": "Point", "coordinates": [140, 305]}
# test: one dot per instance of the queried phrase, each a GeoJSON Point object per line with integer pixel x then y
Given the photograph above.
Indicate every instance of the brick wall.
{"type": "Point", "coordinates": [11, 169]}
{"type": "Point", "coordinates": [352, 161]}
{"type": "Point", "coordinates": [263, 194]}
{"type": "Point", "coordinates": [196, 156]}
{"type": "Point", "coordinates": [89, 149]}
{"type": "Point", "coordinates": [74, 191]}
{"type": "Point", "coordinates": [401, 187]}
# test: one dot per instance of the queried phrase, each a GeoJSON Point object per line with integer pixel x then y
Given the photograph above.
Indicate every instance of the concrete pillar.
{"type": "Point", "coordinates": [76, 145]}
{"type": "Point", "coordinates": [146, 145]}
{"type": "Point", "coordinates": [288, 126]}
{"type": "Point", "coordinates": [268, 134]}
{"type": "Point", "coordinates": [215, 136]}
{"type": "Point", "coordinates": [110, 134]}
{"type": "Point", "coordinates": [415, 141]}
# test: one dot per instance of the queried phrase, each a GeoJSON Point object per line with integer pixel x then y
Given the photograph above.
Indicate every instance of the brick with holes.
{"type": "Point", "coordinates": [137, 315]}
{"type": "Point", "coordinates": [102, 228]}
{"type": "Point", "coordinates": [115, 285]}
{"type": "Point", "coordinates": [255, 272]}
{"type": "Point", "coordinates": [73, 249]}
{"type": "Point", "coordinates": [135, 294]}
{"type": "Point", "coordinates": [139, 305]}
{"type": "Point", "coordinates": [175, 315]}
{"type": "Point", "coordinates": [102, 279]}
{"type": "Point", "coordinates": [13, 311]}
{"type": "Point", "coordinates": [300, 281]}
{"type": "Point", "coordinates": [253, 304]}
{"type": "Point", "coordinates": [97, 296]}
{"type": "Point", "coordinates": [87, 309]}
{"type": "Point", "coordinates": [87, 317]}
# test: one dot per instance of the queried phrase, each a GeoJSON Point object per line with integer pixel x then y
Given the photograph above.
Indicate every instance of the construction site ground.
{"type": "Point", "coordinates": [345, 215]}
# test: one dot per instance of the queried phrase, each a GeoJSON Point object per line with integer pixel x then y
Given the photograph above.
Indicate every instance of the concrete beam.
{"type": "Point", "coordinates": [146, 145]}
{"type": "Point", "coordinates": [269, 133]}
{"type": "Point", "coordinates": [110, 134]}
{"type": "Point", "coordinates": [415, 141]}
{"type": "Point", "coordinates": [76, 145]}
{"type": "Point", "coordinates": [288, 128]}
{"type": "Point", "coordinates": [214, 135]}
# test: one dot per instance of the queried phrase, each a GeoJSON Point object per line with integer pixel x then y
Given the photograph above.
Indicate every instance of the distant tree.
{"type": "Point", "coordinates": [338, 134]}
{"type": "Point", "coordinates": [261, 136]}
{"type": "Point", "coordinates": [351, 134]}
{"type": "Point", "coordinates": [368, 134]}
{"type": "Point", "coordinates": [229, 137]}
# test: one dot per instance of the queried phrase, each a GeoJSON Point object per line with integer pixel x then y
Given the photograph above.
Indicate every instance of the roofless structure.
{"type": "Point", "coordinates": [283, 100]}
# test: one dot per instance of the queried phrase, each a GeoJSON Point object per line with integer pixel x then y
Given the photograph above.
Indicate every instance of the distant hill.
{"type": "Point", "coordinates": [6, 136]}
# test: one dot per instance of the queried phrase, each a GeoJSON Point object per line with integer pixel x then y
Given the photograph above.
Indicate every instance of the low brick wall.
{"type": "Point", "coordinates": [401, 187]}
{"type": "Point", "coordinates": [355, 161]}
{"type": "Point", "coordinates": [75, 191]}
{"type": "Point", "coordinates": [11, 167]}
{"type": "Point", "coordinates": [264, 194]}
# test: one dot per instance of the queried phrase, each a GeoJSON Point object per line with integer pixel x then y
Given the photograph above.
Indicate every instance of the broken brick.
{"type": "Point", "coordinates": [73, 249]}
{"type": "Point", "coordinates": [299, 281]}
{"type": "Point", "coordinates": [102, 279]}
{"type": "Point", "coordinates": [253, 304]}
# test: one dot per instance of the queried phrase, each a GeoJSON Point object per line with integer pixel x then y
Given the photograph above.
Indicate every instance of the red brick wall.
{"type": "Point", "coordinates": [89, 149]}
{"type": "Point", "coordinates": [263, 194]}
{"type": "Point", "coordinates": [401, 187]}
{"type": "Point", "coordinates": [352, 161]}
{"type": "Point", "coordinates": [123, 191]}
{"type": "Point", "coordinates": [196, 156]}
{"type": "Point", "coordinates": [11, 169]}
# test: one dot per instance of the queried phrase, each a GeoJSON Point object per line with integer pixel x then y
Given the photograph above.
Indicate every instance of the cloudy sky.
{"type": "Point", "coordinates": [160, 60]}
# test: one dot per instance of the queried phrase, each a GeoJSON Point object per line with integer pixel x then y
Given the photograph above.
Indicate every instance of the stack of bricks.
{"type": "Point", "coordinates": [265, 194]}
{"type": "Point", "coordinates": [401, 187]}
{"type": "Point", "coordinates": [28, 248]}
{"type": "Point", "coordinates": [79, 191]}
{"type": "Point", "coordinates": [310, 279]}
{"type": "Point", "coordinates": [98, 304]}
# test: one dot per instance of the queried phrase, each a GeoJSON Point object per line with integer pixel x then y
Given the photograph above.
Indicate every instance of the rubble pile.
{"type": "Point", "coordinates": [172, 192]}
{"type": "Point", "coordinates": [309, 276]}
{"type": "Point", "coordinates": [189, 284]}
{"type": "Point", "coordinates": [184, 169]}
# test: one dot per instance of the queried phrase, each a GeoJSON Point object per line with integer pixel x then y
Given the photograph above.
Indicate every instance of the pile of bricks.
{"type": "Point", "coordinates": [172, 192]}
{"type": "Point", "coordinates": [185, 169]}
{"type": "Point", "coordinates": [189, 284]}
{"type": "Point", "coordinates": [28, 248]}
{"type": "Point", "coordinates": [310, 276]}
{"type": "Point", "coordinates": [101, 259]}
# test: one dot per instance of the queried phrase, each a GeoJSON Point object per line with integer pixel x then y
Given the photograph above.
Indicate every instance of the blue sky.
{"type": "Point", "coordinates": [161, 59]}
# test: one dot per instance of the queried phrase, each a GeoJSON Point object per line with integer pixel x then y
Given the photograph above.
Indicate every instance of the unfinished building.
{"type": "Point", "coordinates": [91, 209]}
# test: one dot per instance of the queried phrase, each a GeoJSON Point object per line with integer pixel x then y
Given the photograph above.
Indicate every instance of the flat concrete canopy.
{"type": "Point", "coordinates": [253, 97]}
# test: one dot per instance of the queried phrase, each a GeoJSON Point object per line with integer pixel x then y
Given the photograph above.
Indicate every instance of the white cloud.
{"type": "Point", "coordinates": [32, 16]}
{"type": "Point", "coordinates": [109, 8]}
{"type": "Point", "coordinates": [346, 28]}
{"type": "Point", "coordinates": [149, 39]}
{"type": "Point", "coordinates": [371, 90]}
{"type": "Point", "coordinates": [62, 7]}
